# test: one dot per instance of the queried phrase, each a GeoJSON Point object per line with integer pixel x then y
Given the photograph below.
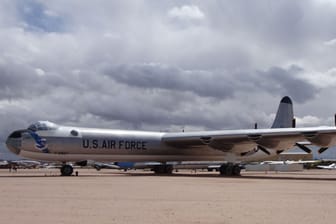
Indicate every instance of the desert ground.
{"type": "Point", "coordinates": [111, 196]}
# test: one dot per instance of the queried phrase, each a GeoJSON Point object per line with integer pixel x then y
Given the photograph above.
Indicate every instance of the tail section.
{"type": "Point", "coordinates": [284, 117]}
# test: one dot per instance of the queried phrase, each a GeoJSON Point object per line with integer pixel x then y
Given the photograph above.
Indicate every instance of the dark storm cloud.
{"type": "Point", "coordinates": [283, 81]}
{"type": "Point", "coordinates": [18, 81]}
{"type": "Point", "coordinates": [217, 84]}
{"type": "Point", "coordinates": [286, 82]}
{"type": "Point", "coordinates": [202, 83]}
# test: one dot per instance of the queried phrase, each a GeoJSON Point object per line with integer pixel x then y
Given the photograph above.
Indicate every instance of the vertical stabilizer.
{"type": "Point", "coordinates": [284, 117]}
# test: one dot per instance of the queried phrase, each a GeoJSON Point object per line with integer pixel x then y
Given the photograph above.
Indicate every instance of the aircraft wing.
{"type": "Point", "coordinates": [243, 141]}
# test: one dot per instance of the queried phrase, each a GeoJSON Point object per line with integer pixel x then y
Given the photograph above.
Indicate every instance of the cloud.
{"type": "Point", "coordinates": [216, 84]}
{"type": "Point", "coordinates": [186, 12]}
{"type": "Point", "coordinates": [331, 42]}
{"type": "Point", "coordinates": [287, 82]}
{"type": "Point", "coordinates": [156, 65]}
{"type": "Point", "coordinates": [36, 17]}
{"type": "Point", "coordinates": [309, 121]}
{"type": "Point", "coordinates": [202, 83]}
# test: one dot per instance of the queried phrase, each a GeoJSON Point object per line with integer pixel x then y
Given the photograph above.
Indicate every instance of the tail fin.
{"type": "Point", "coordinates": [284, 116]}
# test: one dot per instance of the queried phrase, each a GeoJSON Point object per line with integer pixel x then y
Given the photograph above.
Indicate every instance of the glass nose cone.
{"type": "Point", "coordinates": [14, 140]}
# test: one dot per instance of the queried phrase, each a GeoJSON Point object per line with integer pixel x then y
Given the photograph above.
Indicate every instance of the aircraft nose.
{"type": "Point", "coordinates": [14, 140]}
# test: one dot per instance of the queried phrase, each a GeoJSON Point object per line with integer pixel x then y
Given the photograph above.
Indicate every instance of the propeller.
{"type": "Point", "coordinates": [259, 147]}
{"type": "Point", "coordinates": [263, 149]}
{"type": "Point", "coordinates": [303, 147]}
{"type": "Point", "coordinates": [321, 150]}
{"type": "Point", "coordinates": [308, 150]}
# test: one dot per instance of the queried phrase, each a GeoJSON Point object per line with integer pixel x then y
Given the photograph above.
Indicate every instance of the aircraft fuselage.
{"type": "Point", "coordinates": [73, 144]}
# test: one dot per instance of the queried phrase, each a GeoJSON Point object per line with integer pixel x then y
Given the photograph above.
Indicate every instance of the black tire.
{"type": "Point", "coordinates": [229, 169]}
{"type": "Point", "coordinates": [222, 169]}
{"type": "Point", "coordinates": [163, 169]}
{"type": "Point", "coordinates": [236, 170]}
{"type": "Point", "coordinates": [169, 169]}
{"type": "Point", "coordinates": [66, 170]}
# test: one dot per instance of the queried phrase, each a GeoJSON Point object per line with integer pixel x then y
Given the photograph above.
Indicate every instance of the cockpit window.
{"type": "Point", "coordinates": [42, 126]}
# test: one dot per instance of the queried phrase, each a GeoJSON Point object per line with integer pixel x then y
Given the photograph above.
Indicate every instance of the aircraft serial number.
{"type": "Point", "coordinates": [113, 144]}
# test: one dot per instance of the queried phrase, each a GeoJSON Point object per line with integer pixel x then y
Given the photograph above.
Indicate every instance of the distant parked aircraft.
{"type": "Point", "coordinates": [19, 164]}
{"type": "Point", "coordinates": [329, 167]}
{"type": "Point", "coordinates": [4, 164]}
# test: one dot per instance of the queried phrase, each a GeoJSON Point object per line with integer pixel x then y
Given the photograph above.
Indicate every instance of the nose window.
{"type": "Point", "coordinates": [16, 134]}
{"type": "Point", "coordinates": [42, 126]}
{"type": "Point", "coordinates": [32, 127]}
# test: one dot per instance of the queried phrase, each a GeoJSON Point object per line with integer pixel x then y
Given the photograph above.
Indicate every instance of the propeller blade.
{"type": "Point", "coordinates": [264, 150]}
{"type": "Point", "coordinates": [321, 150]}
{"type": "Point", "coordinates": [304, 148]}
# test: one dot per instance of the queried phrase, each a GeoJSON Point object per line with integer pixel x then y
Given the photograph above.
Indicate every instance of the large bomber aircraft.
{"type": "Point", "coordinates": [46, 141]}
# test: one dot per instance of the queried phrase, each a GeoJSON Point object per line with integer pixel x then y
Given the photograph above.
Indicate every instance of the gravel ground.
{"type": "Point", "coordinates": [110, 196]}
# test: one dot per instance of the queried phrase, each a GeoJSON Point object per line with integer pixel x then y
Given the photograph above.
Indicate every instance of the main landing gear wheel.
{"type": "Point", "coordinates": [163, 169]}
{"type": "Point", "coordinates": [66, 170]}
{"type": "Point", "coordinates": [229, 170]}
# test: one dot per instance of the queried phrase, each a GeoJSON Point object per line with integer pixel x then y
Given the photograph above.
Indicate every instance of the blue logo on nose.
{"type": "Point", "coordinates": [40, 143]}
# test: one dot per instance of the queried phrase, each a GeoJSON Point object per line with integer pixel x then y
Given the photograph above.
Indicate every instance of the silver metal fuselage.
{"type": "Point", "coordinates": [47, 141]}
{"type": "Point", "coordinates": [71, 144]}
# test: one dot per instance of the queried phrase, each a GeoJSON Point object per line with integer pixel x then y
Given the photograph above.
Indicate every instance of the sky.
{"type": "Point", "coordinates": [165, 65]}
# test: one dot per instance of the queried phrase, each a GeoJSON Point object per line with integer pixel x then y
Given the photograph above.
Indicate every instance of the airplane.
{"type": "Point", "coordinates": [329, 167]}
{"type": "Point", "coordinates": [20, 164]}
{"type": "Point", "coordinates": [4, 164]}
{"type": "Point", "coordinates": [24, 163]}
{"type": "Point", "coordinates": [289, 162]}
{"type": "Point", "coordinates": [47, 141]}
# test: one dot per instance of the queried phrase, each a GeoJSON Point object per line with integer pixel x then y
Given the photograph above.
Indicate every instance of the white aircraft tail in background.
{"type": "Point", "coordinates": [329, 167]}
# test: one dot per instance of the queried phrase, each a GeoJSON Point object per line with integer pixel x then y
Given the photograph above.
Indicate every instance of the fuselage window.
{"type": "Point", "coordinates": [74, 133]}
{"type": "Point", "coordinates": [42, 126]}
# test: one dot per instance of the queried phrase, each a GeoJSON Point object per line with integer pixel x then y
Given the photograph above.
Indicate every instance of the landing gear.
{"type": "Point", "coordinates": [66, 170]}
{"type": "Point", "coordinates": [163, 169]}
{"type": "Point", "coordinates": [229, 170]}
